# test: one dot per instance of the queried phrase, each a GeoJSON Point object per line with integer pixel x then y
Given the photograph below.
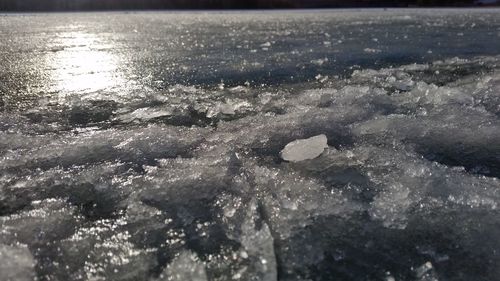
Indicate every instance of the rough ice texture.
{"type": "Point", "coordinates": [304, 149]}
{"type": "Point", "coordinates": [17, 263]}
{"type": "Point", "coordinates": [188, 183]}
{"type": "Point", "coordinates": [408, 189]}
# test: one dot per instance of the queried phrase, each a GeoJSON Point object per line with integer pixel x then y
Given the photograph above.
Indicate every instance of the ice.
{"type": "Point", "coordinates": [185, 267]}
{"type": "Point", "coordinates": [304, 149]}
{"type": "Point", "coordinates": [145, 114]}
{"type": "Point", "coordinates": [267, 44]}
{"type": "Point", "coordinates": [100, 251]}
{"type": "Point", "coordinates": [425, 272]}
{"type": "Point", "coordinates": [17, 263]}
{"type": "Point", "coordinates": [258, 248]}
{"type": "Point", "coordinates": [40, 223]}
{"type": "Point", "coordinates": [423, 269]}
{"type": "Point", "coordinates": [384, 171]}
{"type": "Point", "coordinates": [320, 62]}
{"type": "Point", "coordinates": [370, 50]}
{"type": "Point", "coordinates": [224, 108]}
{"type": "Point", "coordinates": [99, 146]}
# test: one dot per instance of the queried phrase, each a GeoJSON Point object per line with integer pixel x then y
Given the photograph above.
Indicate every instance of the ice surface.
{"type": "Point", "coordinates": [408, 179]}
{"type": "Point", "coordinates": [384, 172]}
{"type": "Point", "coordinates": [304, 149]}
{"type": "Point", "coordinates": [185, 267]}
{"type": "Point", "coordinates": [17, 263]}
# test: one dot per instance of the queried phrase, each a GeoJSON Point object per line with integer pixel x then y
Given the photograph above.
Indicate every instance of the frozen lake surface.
{"type": "Point", "coordinates": [191, 146]}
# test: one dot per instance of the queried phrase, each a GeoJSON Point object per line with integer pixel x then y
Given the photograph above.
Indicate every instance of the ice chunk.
{"type": "Point", "coordinates": [223, 108]}
{"type": "Point", "coordinates": [265, 97]}
{"type": "Point", "coordinates": [371, 50]}
{"type": "Point", "coordinates": [45, 221]}
{"type": "Point", "coordinates": [264, 45]}
{"type": "Point", "coordinates": [258, 248]}
{"type": "Point", "coordinates": [145, 114]}
{"type": "Point", "coordinates": [319, 62]}
{"type": "Point", "coordinates": [185, 267]}
{"type": "Point", "coordinates": [405, 85]}
{"type": "Point", "coordinates": [304, 149]}
{"type": "Point", "coordinates": [16, 264]}
{"type": "Point", "coordinates": [423, 269]}
{"type": "Point", "coordinates": [321, 78]}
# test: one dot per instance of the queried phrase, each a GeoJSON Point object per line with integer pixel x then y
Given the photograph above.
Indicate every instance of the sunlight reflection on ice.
{"type": "Point", "coordinates": [82, 63]}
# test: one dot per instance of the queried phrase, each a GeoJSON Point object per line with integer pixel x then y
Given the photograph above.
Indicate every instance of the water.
{"type": "Point", "coordinates": [148, 146]}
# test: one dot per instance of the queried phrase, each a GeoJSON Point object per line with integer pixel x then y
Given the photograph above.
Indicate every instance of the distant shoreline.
{"type": "Point", "coordinates": [197, 5]}
{"type": "Point", "coordinates": [496, 7]}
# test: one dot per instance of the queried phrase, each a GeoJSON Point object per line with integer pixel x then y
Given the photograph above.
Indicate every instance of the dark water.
{"type": "Point", "coordinates": [146, 146]}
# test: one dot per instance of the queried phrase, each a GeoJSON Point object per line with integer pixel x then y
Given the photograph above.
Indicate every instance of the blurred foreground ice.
{"type": "Point", "coordinates": [189, 184]}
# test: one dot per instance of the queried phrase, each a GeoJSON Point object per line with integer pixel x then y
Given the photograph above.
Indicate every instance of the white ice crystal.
{"type": "Point", "coordinates": [304, 149]}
